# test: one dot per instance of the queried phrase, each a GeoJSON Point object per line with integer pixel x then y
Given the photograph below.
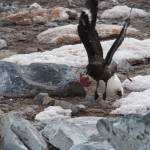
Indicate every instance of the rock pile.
{"type": "Point", "coordinates": [38, 15]}
{"type": "Point", "coordinates": [92, 133]}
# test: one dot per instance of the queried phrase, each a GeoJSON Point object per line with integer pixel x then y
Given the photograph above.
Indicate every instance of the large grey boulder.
{"type": "Point", "coordinates": [18, 134]}
{"type": "Point", "coordinates": [131, 132]}
{"type": "Point", "coordinates": [75, 134]}
{"type": "Point", "coordinates": [24, 81]}
{"type": "Point", "coordinates": [63, 134]}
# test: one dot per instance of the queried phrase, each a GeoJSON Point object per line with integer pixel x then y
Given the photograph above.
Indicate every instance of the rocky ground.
{"type": "Point", "coordinates": [22, 39]}
{"type": "Point", "coordinates": [99, 129]}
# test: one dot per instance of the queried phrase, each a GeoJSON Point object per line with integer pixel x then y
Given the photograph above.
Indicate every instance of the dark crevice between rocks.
{"type": "Point", "coordinates": [139, 62]}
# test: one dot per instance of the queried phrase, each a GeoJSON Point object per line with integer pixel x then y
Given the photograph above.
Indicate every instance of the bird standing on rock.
{"type": "Point", "coordinates": [98, 66]}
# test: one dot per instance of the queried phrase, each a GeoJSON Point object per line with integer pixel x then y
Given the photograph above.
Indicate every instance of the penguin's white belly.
{"type": "Point", "coordinates": [113, 85]}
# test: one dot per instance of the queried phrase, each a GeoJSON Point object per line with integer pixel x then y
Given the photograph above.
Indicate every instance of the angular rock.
{"type": "Point", "coordinates": [39, 98]}
{"type": "Point", "coordinates": [12, 141]}
{"type": "Point", "coordinates": [2, 44]}
{"type": "Point", "coordinates": [71, 3]}
{"type": "Point", "coordinates": [68, 33]}
{"type": "Point", "coordinates": [48, 101]}
{"type": "Point", "coordinates": [17, 133]}
{"type": "Point", "coordinates": [72, 15]}
{"type": "Point", "coordinates": [132, 131]}
{"type": "Point", "coordinates": [75, 133]}
{"type": "Point", "coordinates": [20, 37]}
{"type": "Point", "coordinates": [64, 135]}
{"type": "Point", "coordinates": [5, 107]}
{"type": "Point", "coordinates": [29, 112]}
{"type": "Point", "coordinates": [24, 81]}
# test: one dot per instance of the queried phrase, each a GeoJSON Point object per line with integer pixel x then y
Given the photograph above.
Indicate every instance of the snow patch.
{"type": "Point", "coordinates": [76, 56]}
{"type": "Point", "coordinates": [53, 111]}
{"type": "Point", "coordinates": [138, 83]}
{"type": "Point", "coordinates": [135, 102]}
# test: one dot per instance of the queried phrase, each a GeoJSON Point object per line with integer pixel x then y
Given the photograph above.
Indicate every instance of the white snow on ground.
{"type": "Point", "coordinates": [53, 111]}
{"type": "Point", "coordinates": [123, 11]}
{"type": "Point", "coordinates": [138, 83]}
{"type": "Point", "coordinates": [135, 102]}
{"type": "Point", "coordinates": [76, 56]}
{"type": "Point", "coordinates": [72, 55]}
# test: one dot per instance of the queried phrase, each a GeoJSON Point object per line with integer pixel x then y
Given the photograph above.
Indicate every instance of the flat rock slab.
{"type": "Point", "coordinates": [130, 132]}
{"type": "Point", "coordinates": [68, 33]}
{"type": "Point", "coordinates": [24, 81]}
